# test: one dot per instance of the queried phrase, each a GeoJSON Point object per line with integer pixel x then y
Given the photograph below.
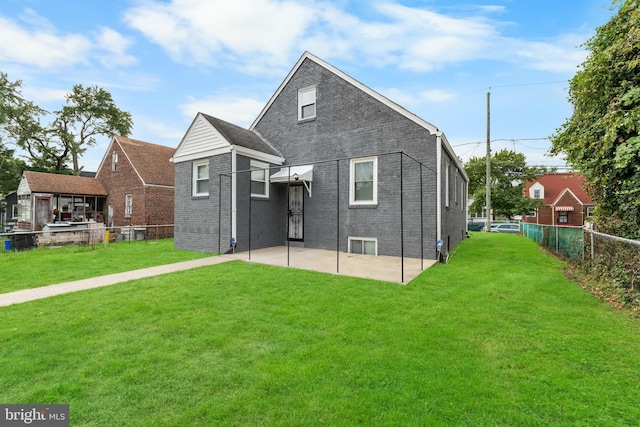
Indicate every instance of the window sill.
{"type": "Point", "coordinates": [363, 206]}
{"type": "Point", "coordinates": [200, 197]}
{"type": "Point", "coordinates": [307, 120]}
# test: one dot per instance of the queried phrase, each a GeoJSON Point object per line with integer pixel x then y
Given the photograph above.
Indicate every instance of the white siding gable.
{"type": "Point", "coordinates": [23, 187]}
{"type": "Point", "coordinates": [201, 140]}
{"type": "Point", "coordinates": [536, 189]}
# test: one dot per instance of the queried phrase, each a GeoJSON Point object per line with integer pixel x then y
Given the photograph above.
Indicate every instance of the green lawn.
{"type": "Point", "coordinates": [497, 337]}
{"type": "Point", "coordinates": [48, 266]}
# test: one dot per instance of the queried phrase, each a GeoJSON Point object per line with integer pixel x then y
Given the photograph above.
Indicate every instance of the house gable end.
{"type": "Point", "coordinates": [567, 192]}
{"type": "Point", "coordinates": [201, 140]}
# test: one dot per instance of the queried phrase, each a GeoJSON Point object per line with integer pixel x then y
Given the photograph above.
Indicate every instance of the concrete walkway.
{"type": "Point", "coordinates": [386, 268]}
{"type": "Point", "coordinates": [25, 295]}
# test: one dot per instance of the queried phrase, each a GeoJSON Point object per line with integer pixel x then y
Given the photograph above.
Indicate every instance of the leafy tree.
{"type": "Point", "coordinates": [10, 171]}
{"type": "Point", "coordinates": [601, 139]}
{"type": "Point", "coordinates": [509, 172]}
{"type": "Point", "coordinates": [89, 112]}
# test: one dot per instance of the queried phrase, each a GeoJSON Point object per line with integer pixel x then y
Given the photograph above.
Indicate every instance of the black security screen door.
{"type": "Point", "coordinates": [296, 213]}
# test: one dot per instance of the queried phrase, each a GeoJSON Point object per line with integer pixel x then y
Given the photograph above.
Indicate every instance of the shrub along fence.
{"type": "Point", "coordinates": [610, 260]}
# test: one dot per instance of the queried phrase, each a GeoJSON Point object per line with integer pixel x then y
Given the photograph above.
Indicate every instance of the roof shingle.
{"type": "Point", "coordinates": [151, 161]}
{"type": "Point", "coordinates": [40, 182]}
{"type": "Point", "coordinates": [556, 183]}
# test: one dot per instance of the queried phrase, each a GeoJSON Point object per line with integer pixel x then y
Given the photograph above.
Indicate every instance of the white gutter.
{"type": "Point", "coordinates": [234, 205]}
{"type": "Point", "coordinates": [438, 186]}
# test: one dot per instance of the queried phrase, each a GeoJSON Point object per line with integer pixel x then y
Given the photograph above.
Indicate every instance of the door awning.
{"type": "Point", "coordinates": [294, 174]}
{"type": "Point", "coordinates": [564, 208]}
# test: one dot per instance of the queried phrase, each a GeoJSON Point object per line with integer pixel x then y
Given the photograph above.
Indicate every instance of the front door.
{"type": "Point", "coordinates": [296, 213]}
{"type": "Point", "coordinates": [43, 212]}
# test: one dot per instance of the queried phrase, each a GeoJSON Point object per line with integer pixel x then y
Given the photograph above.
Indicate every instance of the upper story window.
{"type": "Point", "coordinates": [536, 191]}
{"type": "Point", "coordinates": [259, 179]}
{"type": "Point", "coordinates": [363, 186]}
{"type": "Point", "coordinates": [114, 161]}
{"type": "Point", "coordinates": [201, 178]}
{"type": "Point", "coordinates": [307, 103]}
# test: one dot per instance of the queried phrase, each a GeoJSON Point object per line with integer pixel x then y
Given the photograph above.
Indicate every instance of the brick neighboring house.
{"type": "Point", "coordinates": [139, 179]}
{"type": "Point", "coordinates": [565, 200]}
{"type": "Point", "coordinates": [329, 164]}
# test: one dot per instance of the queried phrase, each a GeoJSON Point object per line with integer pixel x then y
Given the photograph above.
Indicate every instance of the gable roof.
{"type": "Point", "coordinates": [208, 136]}
{"type": "Point", "coordinates": [239, 136]}
{"type": "Point", "coordinates": [379, 97]}
{"type": "Point", "coordinates": [151, 162]}
{"type": "Point", "coordinates": [556, 184]}
{"type": "Point", "coordinates": [40, 182]}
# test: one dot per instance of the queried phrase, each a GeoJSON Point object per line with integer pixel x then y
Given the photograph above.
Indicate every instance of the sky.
{"type": "Point", "coordinates": [165, 61]}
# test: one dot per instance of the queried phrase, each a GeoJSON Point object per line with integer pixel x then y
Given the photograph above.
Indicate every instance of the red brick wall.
{"type": "Point", "coordinates": [119, 183]}
{"type": "Point", "coordinates": [151, 204]}
{"type": "Point", "coordinates": [159, 205]}
{"type": "Point", "coordinates": [546, 214]}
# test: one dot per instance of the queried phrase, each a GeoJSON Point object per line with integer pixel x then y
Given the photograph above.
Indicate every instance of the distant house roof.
{"type": "Point", "coordinates": [239, 136]}
{"type": "Point", "coordinates": [40, 182]}
{"type": "Point", "coordinates": [150, 161]}
{"type": "Point", "coordinates": [555, 184]}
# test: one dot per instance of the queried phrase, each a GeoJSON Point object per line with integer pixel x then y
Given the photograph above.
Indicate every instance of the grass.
{"type": "Point", "coordinates": [48, 266]}
{"type": "Point", "coordinates": [496, 337]}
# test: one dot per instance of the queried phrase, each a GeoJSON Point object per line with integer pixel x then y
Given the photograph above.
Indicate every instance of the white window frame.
{"type": "Point", "coordinates": [305, 95]}
{"type": "Point", "coordinates": [128, 205]}
{"type": "Point", "coordinates": [196, 166]}
{"type": "Point", "coordinates": [363, 240]}
{"type": "Point", "coordinates": [260, 166]}
{"type": "Point", "coordinates": [114, 161]}
{"type": "Point", "coordinates": [590, 211]}
{"type": "Point", "coordinates": [536, 194]}
{"type": "Point", "coordinates": [352, 182]}
{"type": "Point", "coordinates": [447, 191]}
{"type": "Point", "coordinates": [563, 217]}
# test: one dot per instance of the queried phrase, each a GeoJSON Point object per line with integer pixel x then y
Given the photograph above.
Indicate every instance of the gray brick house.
{"type": "Point", "coordinates": [329, 163]}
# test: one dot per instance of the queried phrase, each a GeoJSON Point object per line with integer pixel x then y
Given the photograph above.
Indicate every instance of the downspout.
{"type": "Point", "coordinates": [234, 204]}
{"type": "Point", "coordinates": [438, 186]}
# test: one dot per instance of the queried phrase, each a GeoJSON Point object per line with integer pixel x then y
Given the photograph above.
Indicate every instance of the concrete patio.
{"type": "Point", "coordinates": [385, 268]}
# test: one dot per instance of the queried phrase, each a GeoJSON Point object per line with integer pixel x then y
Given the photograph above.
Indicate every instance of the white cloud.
{"type": "Point", "coordinates": [160, 129]}
{"type": "Point", "coordinates": [43, 95]}
{"type": "Point", "coordinates": [237, 110]}
{"type": "Point", "coordinates": [36, 41]}
{"type": "Point", "coordinates": [262, 36]}
{"type": "Point", "coordinates": [561, 55]}
{"type": "Point", "coordinates": [115, 47]}
{"type": "Point", "coordinates": [262, 32]}
{"type": "Point", "coordinates": [42, 47]}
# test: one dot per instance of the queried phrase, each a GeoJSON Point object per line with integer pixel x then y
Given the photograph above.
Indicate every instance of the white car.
{"type": "Point", "coordinates": [505, 228]}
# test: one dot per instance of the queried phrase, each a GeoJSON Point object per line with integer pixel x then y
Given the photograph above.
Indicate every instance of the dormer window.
{"type": "Point", "coordinates": [307, 103]}
{"type": "Point", "coordinates": [536, 191]}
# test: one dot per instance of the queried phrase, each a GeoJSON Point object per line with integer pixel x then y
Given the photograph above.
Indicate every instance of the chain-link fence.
{"type": "Point", "coordinates": [82, 234]}
{"type": "Point", "coordinates": [612, 262]}
{"type": "Point", "coordinates": [563, 240]}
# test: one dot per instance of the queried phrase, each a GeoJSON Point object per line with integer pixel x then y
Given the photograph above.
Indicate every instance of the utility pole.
{"type": "Point", "coordinates": [488, 202]}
